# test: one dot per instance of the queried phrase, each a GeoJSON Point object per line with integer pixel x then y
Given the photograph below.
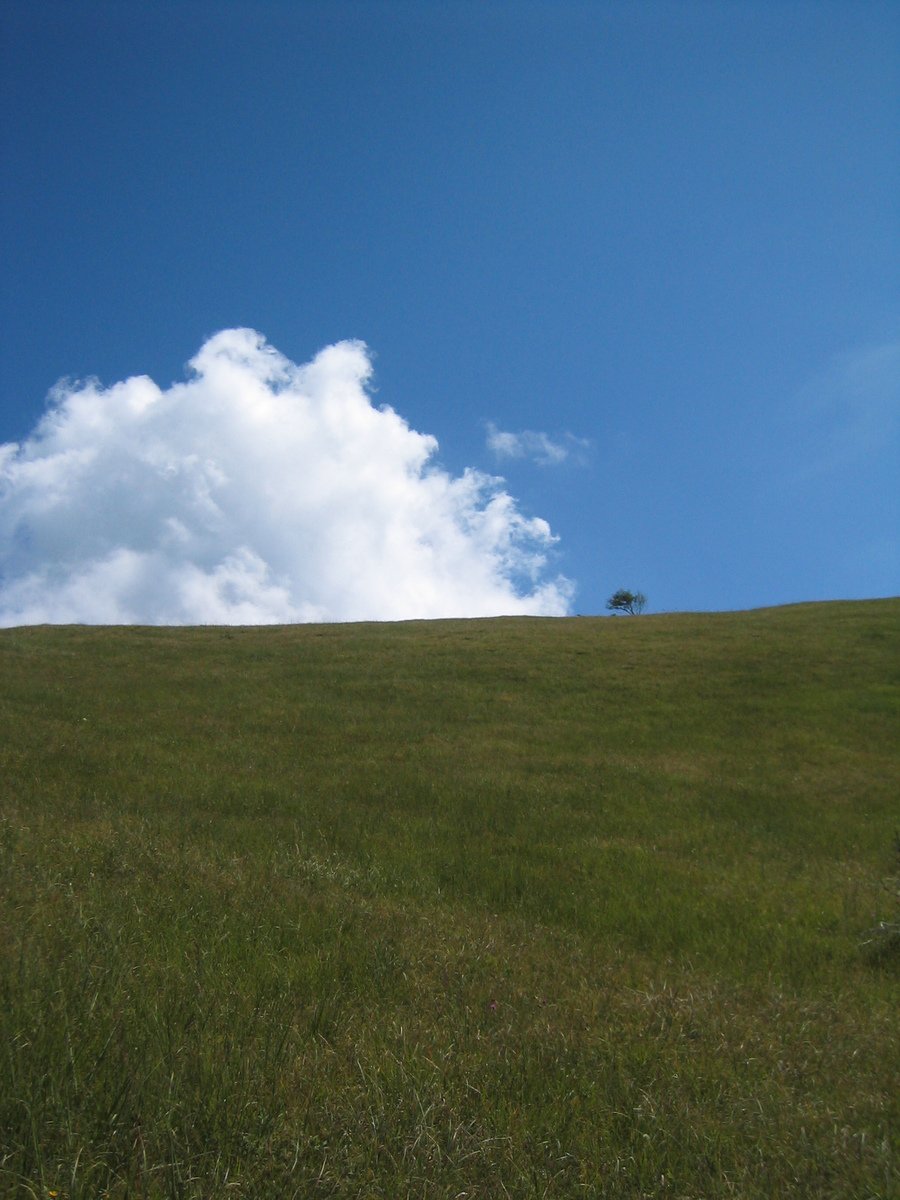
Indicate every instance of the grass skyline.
{"type": "Point", "coordinates": [536, 907]}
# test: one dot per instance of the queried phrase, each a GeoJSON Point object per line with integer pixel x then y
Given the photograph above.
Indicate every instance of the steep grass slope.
{"type": "Point", "coordinates": [452, 909]}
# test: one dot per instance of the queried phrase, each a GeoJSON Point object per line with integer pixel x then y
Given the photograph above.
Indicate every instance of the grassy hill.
{"type": "Point", "coordinates": [517, 907]}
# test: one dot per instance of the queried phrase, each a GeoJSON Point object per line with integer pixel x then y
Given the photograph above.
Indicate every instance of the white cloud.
{"type": "Point", "coordinates": [540, 447]}
{"type": "Point", "coordinates": [257, 491]}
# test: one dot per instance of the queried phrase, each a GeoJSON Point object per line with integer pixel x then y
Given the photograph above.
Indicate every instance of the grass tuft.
{"type": "Point", "coordinates": [882, 941]}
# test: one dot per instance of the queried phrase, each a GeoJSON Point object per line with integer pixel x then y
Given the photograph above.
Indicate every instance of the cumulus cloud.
{"type": "Point", "coordinates": [257, 491]}
{"type": "Point", "coordinates": [540, 447]}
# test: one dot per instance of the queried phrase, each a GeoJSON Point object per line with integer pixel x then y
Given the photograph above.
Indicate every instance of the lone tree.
{"type": "Point", "coordinates": [627, 602]}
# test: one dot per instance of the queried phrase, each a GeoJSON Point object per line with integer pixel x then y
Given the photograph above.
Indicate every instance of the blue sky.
{"type": "Point", "coordinates": [639, 259]}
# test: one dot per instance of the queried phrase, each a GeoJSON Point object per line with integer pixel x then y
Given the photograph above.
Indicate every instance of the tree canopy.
{"type": "Point", "coordinates": [627, 602]}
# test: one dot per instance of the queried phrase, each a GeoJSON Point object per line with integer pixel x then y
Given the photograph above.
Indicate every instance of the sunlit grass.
{"type": "Point", "coordinates": [452, 909]}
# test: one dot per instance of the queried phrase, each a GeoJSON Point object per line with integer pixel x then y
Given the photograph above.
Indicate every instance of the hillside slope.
{"type": "Point", "coordinates": [565, 907]}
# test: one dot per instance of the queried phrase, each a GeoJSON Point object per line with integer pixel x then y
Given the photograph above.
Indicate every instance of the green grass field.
{"type": "Point", "coordinates": [501, 908]}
